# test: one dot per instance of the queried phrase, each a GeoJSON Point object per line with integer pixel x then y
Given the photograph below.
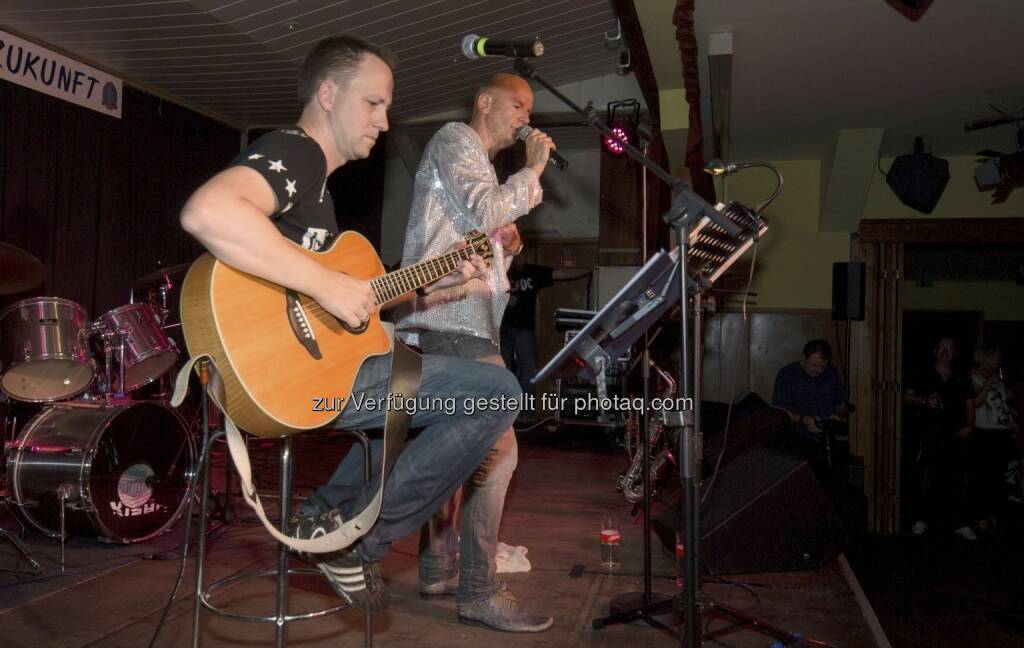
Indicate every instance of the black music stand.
{"type": "Point", "coordinates": [636, 307]}
{"type": "Point", "coordinates": [622, 322]}
{"type": "Point", "coordinates": [612, 331]}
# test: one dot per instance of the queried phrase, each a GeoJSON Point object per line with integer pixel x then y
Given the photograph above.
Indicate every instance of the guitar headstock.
{"type": "Point", "coordinates": [480, 244]}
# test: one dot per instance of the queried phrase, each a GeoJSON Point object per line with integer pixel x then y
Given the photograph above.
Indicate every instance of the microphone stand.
{"type": "Point", "coordinates": [687, 209]}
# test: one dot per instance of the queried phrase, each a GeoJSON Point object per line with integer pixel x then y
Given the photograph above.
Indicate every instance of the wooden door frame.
{"type": "Point", "coordinates": [875, 429]}
{"type": "Point", "coordinates": [942, 230]}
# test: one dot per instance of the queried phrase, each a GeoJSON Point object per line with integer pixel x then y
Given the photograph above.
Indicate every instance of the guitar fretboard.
{"type": "Point", "coordinates": [391, 285]}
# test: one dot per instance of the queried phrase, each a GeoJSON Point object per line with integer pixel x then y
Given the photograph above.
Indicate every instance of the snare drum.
{"type": "Point", "coordinates": [128, 467]}
{"type": "Point", "coordinates": [45, 350]}
{"type": "Point", "coordinates": [148, 352]}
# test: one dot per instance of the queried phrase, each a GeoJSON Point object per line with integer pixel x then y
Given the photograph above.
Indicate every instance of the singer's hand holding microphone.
{"type": "Point", "coordinates": [540, 149]}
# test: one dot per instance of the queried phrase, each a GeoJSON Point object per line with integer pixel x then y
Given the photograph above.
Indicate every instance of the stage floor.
{"type": "Point", "coordinates": [113, 595]}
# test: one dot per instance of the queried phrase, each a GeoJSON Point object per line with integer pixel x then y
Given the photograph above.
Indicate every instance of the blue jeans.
{"type": "Point", "coordinates": [434, 464]}
{"type": "Point", "coordinates": [483, 496]}
{"type": "Point", "coordinates": [519, 349]}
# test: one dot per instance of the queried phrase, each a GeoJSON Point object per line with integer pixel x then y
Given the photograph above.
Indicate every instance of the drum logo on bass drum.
{"type": "Point", "coordinates": [135, 492]}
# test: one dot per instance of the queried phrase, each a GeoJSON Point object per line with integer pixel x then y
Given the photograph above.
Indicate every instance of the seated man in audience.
{"type": "Point", "coordinates": [810, 391]}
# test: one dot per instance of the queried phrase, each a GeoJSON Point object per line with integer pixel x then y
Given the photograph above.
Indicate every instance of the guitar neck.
{"type": "Point", "coordinates": [393, 284]}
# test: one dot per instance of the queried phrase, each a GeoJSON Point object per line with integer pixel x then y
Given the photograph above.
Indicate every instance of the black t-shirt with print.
{"type": "Point", "coordinates": [524, 284]}
{"type": "Point", "coordinates": [295, 166]}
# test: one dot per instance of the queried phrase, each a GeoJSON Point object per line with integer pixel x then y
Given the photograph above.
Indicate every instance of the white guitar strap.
{"type": "Point", "coordinates": [405, 381]}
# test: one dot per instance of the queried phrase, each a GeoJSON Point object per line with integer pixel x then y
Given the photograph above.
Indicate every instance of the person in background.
{"type": "Point", "coordinates": [936, 423]}
{"type": "Point", "coordinates": [810, 392]}
{"type": "Point", "coordinates": [519, 326]}
{"type": "Point", "coordinates": [993, 440]}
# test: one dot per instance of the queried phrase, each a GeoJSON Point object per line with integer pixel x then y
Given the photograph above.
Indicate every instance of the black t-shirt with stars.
{"type": "Point", "coordinates": [295, 167]}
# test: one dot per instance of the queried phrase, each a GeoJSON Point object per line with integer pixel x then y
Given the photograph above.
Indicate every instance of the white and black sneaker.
{"type": "Point", "coordinates": [357, 581]}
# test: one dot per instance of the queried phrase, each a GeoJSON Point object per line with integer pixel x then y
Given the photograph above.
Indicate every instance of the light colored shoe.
{"type": "Point", "coordinates": [447, 587]}
{"type": "Point", "coordinates": [967, 533]}
{"type": "Point", "coordinates": [919, 528]}
{"type": "Point", "coordinates": [501, 611]}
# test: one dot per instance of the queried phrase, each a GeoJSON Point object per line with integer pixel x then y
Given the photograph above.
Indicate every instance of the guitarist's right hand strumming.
{"type": "Point", "coordinates": [350, 300]}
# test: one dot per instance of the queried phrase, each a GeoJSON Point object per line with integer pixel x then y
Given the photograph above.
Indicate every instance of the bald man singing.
{"type": "Point", "coordinates": [456, 191]}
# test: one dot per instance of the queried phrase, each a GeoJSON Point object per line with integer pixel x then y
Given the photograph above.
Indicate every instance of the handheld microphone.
{"type": "Point", "coordinates": [555, 157]}
{"type": "Point", "coordinates": [474, 47]}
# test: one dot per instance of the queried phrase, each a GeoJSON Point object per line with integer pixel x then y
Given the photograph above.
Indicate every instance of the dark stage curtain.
{"type": "Point", "coordinates": [358, 192]}
{"type": "Point", "coordinates": [96, 198]}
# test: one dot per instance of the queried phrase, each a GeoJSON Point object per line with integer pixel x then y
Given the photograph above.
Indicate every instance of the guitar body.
{"type": "Point", "coordinates": [274, 376]}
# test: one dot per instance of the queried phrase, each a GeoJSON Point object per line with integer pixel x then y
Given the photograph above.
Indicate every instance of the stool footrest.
{"type": "Point", "coordinates": [207, 594]}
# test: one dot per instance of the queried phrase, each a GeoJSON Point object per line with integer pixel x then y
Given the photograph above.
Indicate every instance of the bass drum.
{"type": "Point", "coordinates": [128, 468]}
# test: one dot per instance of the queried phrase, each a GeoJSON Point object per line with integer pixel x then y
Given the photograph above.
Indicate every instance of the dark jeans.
{"type": "Point", "coordinates": [519, 351]}
{"type": "Point", "coordinates": [435, 463]}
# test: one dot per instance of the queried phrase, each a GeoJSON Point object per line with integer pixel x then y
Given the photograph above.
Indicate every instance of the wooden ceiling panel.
{"type": "Point", "coordinates": [239, 60]}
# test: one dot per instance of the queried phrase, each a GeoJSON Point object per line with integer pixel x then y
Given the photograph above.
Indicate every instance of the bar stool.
{"type": "Point", "coordinates": [280, 618]}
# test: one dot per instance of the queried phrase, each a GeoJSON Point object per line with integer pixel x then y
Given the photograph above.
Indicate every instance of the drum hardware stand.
{"type": "Point", "coordinates": [165, 287]}
{"type": "Point", "coordinates": [63, 493]}
{"type": "Point", "coordinates": [9, 536]}
{"type": "Point", "coordinates": [15, 541]}
{"type": "Point", "coordinates": [20, 547]}
{"type": "Point", "coordinates": [108, 351]}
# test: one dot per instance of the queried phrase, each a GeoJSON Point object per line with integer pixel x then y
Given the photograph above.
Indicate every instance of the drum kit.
{"type": "Point", "coordinates": [103, 452]}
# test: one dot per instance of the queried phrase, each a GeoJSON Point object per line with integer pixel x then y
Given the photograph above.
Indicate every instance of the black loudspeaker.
{"type": "Point", "coordinates": [766, 512]}
{"type": "Point", "coordinates": [848, 291]}
{"type": "Point", "coordinates": [919, 179]}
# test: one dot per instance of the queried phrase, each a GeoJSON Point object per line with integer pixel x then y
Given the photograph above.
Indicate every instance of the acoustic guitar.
{"type": "Point", "coordinates": [286, 364]}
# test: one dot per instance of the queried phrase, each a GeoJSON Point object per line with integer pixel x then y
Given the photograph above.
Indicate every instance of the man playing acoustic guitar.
{"type": "Point", "coordinates": [255, 215]}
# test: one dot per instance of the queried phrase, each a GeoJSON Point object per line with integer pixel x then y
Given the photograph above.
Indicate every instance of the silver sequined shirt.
{"type": "Point", "coordinates": [456, 191]}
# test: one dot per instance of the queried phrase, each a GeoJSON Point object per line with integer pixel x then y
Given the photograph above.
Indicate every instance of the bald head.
{"type": "Point", "coordinates": [502, 82]}
{"type": "Point", "coordinates": [502, 106]}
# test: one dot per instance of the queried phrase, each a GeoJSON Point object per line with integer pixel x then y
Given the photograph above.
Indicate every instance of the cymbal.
{"type": "Point", "coordinates": [21, 270]}
{"type": "Point", "coordinates": [157, 275]}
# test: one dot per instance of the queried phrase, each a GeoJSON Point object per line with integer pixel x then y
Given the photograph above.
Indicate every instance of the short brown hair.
{"type": "Point", "coordinates": [337, 58]}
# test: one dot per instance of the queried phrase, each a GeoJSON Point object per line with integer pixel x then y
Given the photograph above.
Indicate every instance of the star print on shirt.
{"type": "Point", "coordinates": [287, 207]}
{"type": "Point", "coordinates": [255, 156]}
{"type": "Point", "coordinates": [289, 186]}
{"type": "Point", "coordinates": [277, 166]}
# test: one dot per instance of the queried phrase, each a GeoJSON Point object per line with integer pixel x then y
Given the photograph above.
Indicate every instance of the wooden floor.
{"type": "Point", "coordinates": [113, 595]}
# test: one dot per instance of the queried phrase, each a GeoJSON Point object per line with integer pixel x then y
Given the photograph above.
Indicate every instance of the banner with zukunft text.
{"type": "Point", "coordinates": [33, 66]}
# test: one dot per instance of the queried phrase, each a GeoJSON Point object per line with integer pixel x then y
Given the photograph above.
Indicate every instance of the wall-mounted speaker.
{"type": "Point", "coordinates": [918, 179]}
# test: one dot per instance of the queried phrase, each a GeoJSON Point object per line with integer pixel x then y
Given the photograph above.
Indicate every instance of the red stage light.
{"type": "Point", "coordinates": [614, 145]}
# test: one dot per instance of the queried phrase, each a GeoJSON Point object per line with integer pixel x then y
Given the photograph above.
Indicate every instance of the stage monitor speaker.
{"type": "Point", "coordinates": [848, 291]}
{"type": "Point", "coordinates": [766, 512]}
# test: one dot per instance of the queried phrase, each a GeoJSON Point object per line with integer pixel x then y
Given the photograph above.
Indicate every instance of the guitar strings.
{"type": "Point", "coordinates": [395, 281]}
